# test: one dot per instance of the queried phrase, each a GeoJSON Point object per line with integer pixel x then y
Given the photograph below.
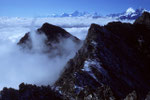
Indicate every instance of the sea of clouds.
{"type": "Point", "coordinates": [35, 67]}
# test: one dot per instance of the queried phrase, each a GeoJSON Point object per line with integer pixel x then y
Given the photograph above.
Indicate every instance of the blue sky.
{"type": "Point", "coordinates": [25, 8]}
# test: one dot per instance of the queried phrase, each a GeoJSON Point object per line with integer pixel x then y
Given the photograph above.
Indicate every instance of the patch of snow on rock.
{"type": "Point", "coordinates": [88, 64]}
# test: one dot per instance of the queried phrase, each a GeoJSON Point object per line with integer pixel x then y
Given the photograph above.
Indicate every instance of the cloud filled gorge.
{"type": "Point", "coordinates": [33, 66]}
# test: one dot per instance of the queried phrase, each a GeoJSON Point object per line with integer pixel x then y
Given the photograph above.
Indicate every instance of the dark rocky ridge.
{"type": "Point", "coordinates": [144, 19]}
{"type": "Point", "coordinates": [115, 56]}
{"type": "Point", "coordinates": [29, 92]}
{"type": "Point", "coordinates": [53, 35]}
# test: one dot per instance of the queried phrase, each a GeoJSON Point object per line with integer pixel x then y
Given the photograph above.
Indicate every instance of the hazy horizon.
{"type": "Point", "coordinates": [28, 8]}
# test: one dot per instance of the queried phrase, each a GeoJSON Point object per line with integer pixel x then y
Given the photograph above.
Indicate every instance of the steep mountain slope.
{"type": "Point", "coordinates": [52, 32]}
{"type": "Point", "coordinates": [144, 19]}
{"type": "Point", "coordinates": [113, 62]}
{"type": "Point", "coordinates": [51, 36]}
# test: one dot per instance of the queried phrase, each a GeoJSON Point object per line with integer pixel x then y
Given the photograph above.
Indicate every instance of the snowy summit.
{"type": "Point", "coordinates": [130, 11]}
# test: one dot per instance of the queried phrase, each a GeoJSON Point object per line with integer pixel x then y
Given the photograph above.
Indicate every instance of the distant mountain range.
{"type": "Point", "coordinates": [129, 14]}
{"type": "Point", "coordinates": [77, 14]}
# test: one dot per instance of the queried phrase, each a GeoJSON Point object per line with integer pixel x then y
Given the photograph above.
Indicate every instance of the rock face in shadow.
{"type": "Point", "coordinates": [113, 62]}
{"type": "Point", "coordinates": [29, 92]}
{"type": "Point", "coordinates": [53, 35]}
{"type": "Point", "coordinates": [144, 19]}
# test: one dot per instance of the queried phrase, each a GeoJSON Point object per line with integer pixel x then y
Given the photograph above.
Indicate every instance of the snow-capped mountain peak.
{"type": "Point", "coordinates": [129, 14]}
{"type": "Point", "coordinates": [130, 11]}
{"type": "Point", "coordinates": [76, 14]}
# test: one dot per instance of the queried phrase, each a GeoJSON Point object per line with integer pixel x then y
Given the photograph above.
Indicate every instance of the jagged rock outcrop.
{"type": "Point", "coordinates": [115, 56]}
{"type": "Point", "coordinates": [144, 19]}
{"type": "Point", "coordinates": [29, 92]}
{"type": "Point", "coordinates": [131, 96]}
{"type": "Point", "coordinates": [53, 35]}
{"type": "Point", "coordinates": [148, 96]}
